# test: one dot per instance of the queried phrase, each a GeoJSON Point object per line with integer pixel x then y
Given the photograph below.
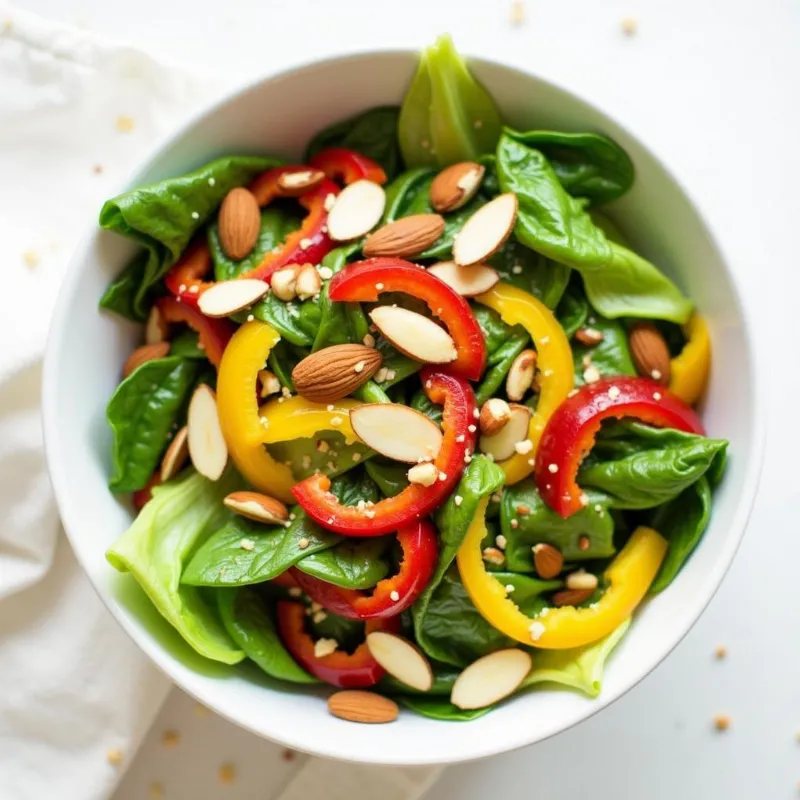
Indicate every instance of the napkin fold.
{"type": "Point", "coordinates": [77, 695]}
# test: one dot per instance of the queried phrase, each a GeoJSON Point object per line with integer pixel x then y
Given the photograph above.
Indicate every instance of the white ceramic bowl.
{"type": "Point", "coordinates": [86, 348]}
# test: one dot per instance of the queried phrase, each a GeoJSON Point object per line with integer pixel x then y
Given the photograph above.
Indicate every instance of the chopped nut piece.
{"type": "Point", "coordinates": [590, 337]}
{"type": "Point", "coordinates": [591, 374]}
{"type": "Point", "coordinates": [268, 382]}
{"type": "Point", "coordinates": [284, 283]}
{"type": "Point", "coordinates": [493, 556]}
{"type": "Point", "coordinates": [325, 647]}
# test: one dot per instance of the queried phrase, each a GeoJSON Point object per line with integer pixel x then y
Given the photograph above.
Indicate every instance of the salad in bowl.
{"type": "Point", "coordinates": [410, 418]}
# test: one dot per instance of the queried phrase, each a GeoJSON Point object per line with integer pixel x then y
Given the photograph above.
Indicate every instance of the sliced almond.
{"type": "Point", "coordinates": [466, 281]}
{"type": "Point", "coordinates": [650, 352]}
{"type": "Point", "coordinates": [580, 579]}
{"type": "Point", "coordinates": [491, 678]}
{"type": "Point", "coordinates": [456, 185]}
{"type": "Point", "coordinates": [335, 372]}
{"type": "Point", "coordinates": [357, 706]}
{"type": "Point", "coordinates": [258, 507]}
{"type": "Point", "coordinates": [358, 209]}
{"type": "Point", "coordinates": [239, 223]}
{"type": "Point", "coordinates": [423, 474]}
{"type": "Point", "coordinates": [495, 413]}
{"type": "Point", "coordinates": [404, 237]}
{"type": "Point", "coordinates": [156, 330]}
{"type": "Point", "coordinates": [206, 443]}
{"type": "Point", "coordinates": [308, 282]}
{"type": "Point", "coordinates": [486, 231]}
{"type": "Point", "coordinates": [268, 383]}
{"type": "Point", "coordinates": [548, 560]}
{"type": "Point", "coordinates": [293, 184]}
{"type": "Point", "coordinates": [503, 444]}
{"type": "Point", "coordinates": [401, 659]}
{"type": "Point", "coordinates": [397, 431]}
{"type": "Point", "coordinates": [414, 335]}
{"type": "Point", "coordinates": [227, 297]}
{"type": "Point", "coordinates": [284, 282]}
{"type": "Point", "coordinates": [176, 455]}
{"type": "Point", "coordinates": [571, 597]}
{"type": "Point", "coordinates": [141, 355]}
{"type": "Point", "coordinates": [520, 376]}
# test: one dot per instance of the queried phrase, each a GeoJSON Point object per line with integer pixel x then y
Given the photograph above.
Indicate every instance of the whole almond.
{"type": "Point", "coordinates": [547, 560]}
{"type": "Point", "coordinates": [495, 413]}
{"type": "Point", "coordinates": [293, 184]}
{"type": "Point", "coordinates": [239, 223]}
{"type": "Point", "coordinates": [404, 237]}
{"type": "Point", "coordinates": [143, 354]}
{"type": "Point", "coordinates": [572, 597]}
{"type": "Point", "coordinates": [456, 185]}
{"type": "Point", "coordinates": [520, 375]}
{"type": "Point", "coordinates": [357, 706]}
{"type": "Point", "coordinates": [335, 372]}
{"type": "Point", "coordinates": [258, 507]}
{"type": "Point", "coordinates": [650, 352]}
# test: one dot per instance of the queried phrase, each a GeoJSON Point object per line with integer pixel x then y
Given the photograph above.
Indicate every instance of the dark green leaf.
{"type": "Point", "coordinates": [542, 525]}
{"type": "Point", "coordinates": [373, 133]}
{"type": "Point", "coordinates": [682, 522]}
{"type": "Point", "coordinates": [573, 310]}
{"type": "Point", "coordinates": [422, 403]}
{"type": "Point", "coordinates": [142, 414]}
{"type": "Point", "coordinates": [185, 345]}
{"type": "Point", "coordinates": [306, 457]}
{"type": "Point", "coordinates": [348, 633]}
{"type": "Point", "coordinates": [276, 225]}
{"type": "Point", "coordinates": [246, 618]}
{"type": "Point", "coordinates": [611, 357]}
{"type": "Point", "coordinates": [444, 676]}
{"type": "Point", "coordinates": [352, 564]}
{"type": "Point", "coordinates": [503, 345]}
{"type": "Point", "coordinates": [390, 476]}
{"type": "Point", "coordinates": [399, 366]}
{"type": "Point", "coordinates": [532, 272]}
{"type": "Point", "coordinates": [296, 321]}
{"type": "Point", "coordinates": [120, 295]}
{"type": "Point", "coordinates": [587, 164]}
{"type": "Point", "coordinates": [441, 709]}
{"type": "Point", "coordinates": [283, 358]}
{"type": "Point", "coordinates": [550, 221]}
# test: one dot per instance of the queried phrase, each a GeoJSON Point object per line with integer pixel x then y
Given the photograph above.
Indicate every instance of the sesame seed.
{"type": "Point", "coordinates": [330, 407]}
{"type": "Point", "coordinates": [247, 544]}
{"type": "Point", "coordinates": [516, 269]}
{"type": "Point", "coordinates": [356, 456]}
{"type": "Point", "coordinates": [195, 215]}
{"type": "Point", "coordinates": [303, 543]}
{"type": "Point", "coordinates": [460, 438]}
{"type": "Point", "coordinates": [31, 258]}
{"type": "Point", "coordinates": [531, 462]}
{"type": "Point", "coordinates": [428, 384]}
{"type": "Point", "coordinates": [523, 447]}
{"type": "Point", "coordinates": [250, 318]}
{"type": "Point", "coordinates": [331, 466]}
{"type": "Point", "coordinates": [305, 243]}
{"type": "Point", "coordinates": [613, 392]}
{"type": "Point", "coordinates": [458, 499]}
{"type": "Point", "coordinates": [553, 468]}
{"type": "Point", "coordinates": [124, 123]}
{"type": "Point", "coordinates": [322, 446]}
{"type": "Point", "coordinates": [295, 591]}
{"type": "Point", "coordinates": [394, 596]}
{"type": "Point", "coordinates": [510, 588]}
{"type": "Point", "coordinates": [369, 340]}
{"type": "Point", "coordinates": [536, 630]}
{"type": "Point", "coordinates": [326, 273]}
{"type": "Point", "coordinates": [514, 523]}
{"type": "Point", "coordinates": [182, 288]}
{"type": "Point", "coordinates": [584, 500]}
{"type": "Point", "coordinates": [379, 287]}
{"type": "Point", "coordinates": [319, 616]}
{"type": "Point", "coordinates": [442, 476]}
{"type": "Point", "coordinates": [591, 374]}
{"type": "Point", "coordinates": [370, 514]}
{"type": "Point", "coordinates": [471, 428]}
{"type": "Point", "coordinates": [656, 396]}
{"type": "Point", "coordinates": [544, 340]}
{"type": "Point", "coordinates": [330, 201]}
{"type": "Point", "coordinates": [501, 541]}
{"type": "Point", "coordinates": [336, 421]}
{"type": "Point", "coordinates": [476, 413]}
{"type": "Point", "coordinates": [292, 516]}
{"type": "Point", "coordinates": [306, 461]}
{"type": "Point", "coordinates": [212, 181]}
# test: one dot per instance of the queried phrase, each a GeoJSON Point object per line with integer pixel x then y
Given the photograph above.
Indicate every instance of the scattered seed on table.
{"type": "Point", "coordinates": [517, 13]}
{"type": "Point", "coordinates": [124, 123]}
{"type": "Point", "coordinates": [114, 756]}
{"type": "Point", "coordinates": [629, 26]}
{"type": "Point", "coordinates": [227, 774]}
{"type": "Point", "coordinates": [31, 258]}
{"type": "Point", "coordinates": [170, 738]}
{"type": "Point", "coordinates": [720, 652]}
{"type": "Point", "coordinates": [722, 722]}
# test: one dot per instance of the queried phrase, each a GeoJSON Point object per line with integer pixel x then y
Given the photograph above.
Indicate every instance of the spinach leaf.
{"type": "Point", "coordinates": [641, 467]}
{"type": "Point", "coordinates": [573, 308]}
{"type": "Point", "coordinates": [276, 225]}
{"type": "Point", "coordinates": [444, 676]}
{"type": "Point", "coordinates": [399, 367]}
{"type": "Point", "coordinates": [352, 564]}
{"type": "Point", "coordinates": [142, 414]}
{"type": "Point", "coordinates": [186, 345]}
{"type": "Point", "coordinates": [422, 403]}
{"type": "Point", "coordinates": [326, 452]}
{"type": "Point", "coordinates": [611, 357]}
{"type": "Point", "coordinates": [155, 548]}
{"type": "Point", "coordinates": [372, 133]}
{"type": "Point", "coordinates": [388, 475]}
{"type": "Point", "coordinates": [539, 524]}
{"type": "Point", "coordinates": [587, 164]}
{"type": "Point", "coordinates": [579, 668]}
{"type": "Point", "coordinates": [283, 358]}
{"type": "Point", "coordinates": [532, 272]}
{"type": "Point", "coordinates": [446, 116]}
{"type": "Point", "coordinates": [246, 618]}
{"type": "Point", "coordinates": [163, 217]}
{"type": "Point", "coordinates": [503, 344]}
{"type": "Point", "coordinates": [682, 522]}
{"type": "Point", "coordinates": [349, 633]}
{"type": "Point", "coordinates": [618, 282]}
{"type": "Point", "coordinates": [223, 560]}
{"type": "Point", "coordinates": [480, 478]}
{"type": "Point", "coordinates": [296, 321]}
{"type": "Point", "coordinates": [441, 709]}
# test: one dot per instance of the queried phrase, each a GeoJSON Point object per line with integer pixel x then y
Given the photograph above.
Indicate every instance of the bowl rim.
{"type": "Point", "coordinates": [58, 471]}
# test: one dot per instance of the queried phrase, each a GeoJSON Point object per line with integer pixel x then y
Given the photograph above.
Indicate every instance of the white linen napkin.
{"type": "Point", "coordinates": [77, 696]}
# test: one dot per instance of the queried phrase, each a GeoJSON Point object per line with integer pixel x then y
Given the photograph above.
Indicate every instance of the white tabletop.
{"type": "Point", "coordinates": [712, 86]}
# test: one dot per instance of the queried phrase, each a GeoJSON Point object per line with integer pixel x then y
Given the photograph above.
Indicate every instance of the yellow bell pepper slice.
{"type": "Point", "coordinates": [554, 361]}
{"type": "Point", "coordinates": [237, 406]}
{"type": "Point", "coordinates": [296, 418]}
{"type": "Point", "coordinates": [629, 576]}
{"type": "Point", "coordinates": [690, 369]}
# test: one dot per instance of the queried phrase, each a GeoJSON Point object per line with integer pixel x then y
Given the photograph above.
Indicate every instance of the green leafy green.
{"type": "Point", "coordinates": [579, 668]}
{"type": "Point", "coordinates": [446, 116]}
{"type": "Point", "coordinates": [186, 345]}
{"type": "Point", "coordinates": [573, 308]}
{"type": "Point", "coordinates": [249, 623]}
{"type": "Point", "coordinates": [163, 217]}
{"type": "Point", "coordinates": [503, 344]}
{"type": "Point", "coordinates": [441, 709]}
{"type": "Point", "coordinates": [587, 164]}
{"type": "Point", "coordinates": [618, 282]}
{"type": "Point", "coordinates": [532, 272]}
{"type": "Point", "coordinates": [682, 522]}
{"type": "Point", "coordinates": [244, 552]}
{"type": "Point", "coordinates": [373, 133]}
{"type": "Point", "coordinates": [444, 676]}
{"type": "Point", "coordinates": [399, 367]}
{"type": "Point", "coordinates": [480, 478]}
{"type": "Point", "coordinates": [352, 564]}
{"type": "Point", "coordinates": [296, 321]}
{"type": "Point", "coordinates": [276, 224]}
{"type": "Point", "coordinates": [182, 513]}
{"type": "Point", "coordinates": [537, 523]}
{"type": "Point", "coordinates": [306, 456]}
{"type": "Point", "coordinates": [641, 467]}
{"type": "Point", "coordinates": [142, 414]}
{"type": "Point", "coordinates": [388, 475]}
{"type": "Point", "coordinates": [611, 357]}
{"type": "Point", "coordinates": [349, 633]}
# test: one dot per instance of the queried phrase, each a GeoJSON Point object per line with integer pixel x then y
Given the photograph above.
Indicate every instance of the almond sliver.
{"type": "Point", "coordinates": [397, 431]}
{"type": "Point", "coordinates": [467, 281]}
{"type": "Point", "coordinates": [207, 446]}
{"type": "Point", "coordinates": [227, 297]}
{"type": "Point", "coordinates": [402, 659]}
{"type": "Point", "coordinates": [358, 209]}
{"type": "Point", "coordinates": [490, 679]}
{"type": "Point", "coordinates": [414, 335]}
{"type": "Point", "coordinates": [486, 231]}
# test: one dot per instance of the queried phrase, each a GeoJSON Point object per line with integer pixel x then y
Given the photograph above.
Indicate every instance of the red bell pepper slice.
{"type": "Point", "coordinates": [141, 497]}
{"type": "Point", "coordinates": [571, 430]}
{"type": "Point", "coordinates": [354, 670]}
{"type": "Point", "coordinates": [347, 166]}
{"type": "Point", "coordinates": [365, 280]}
{"type": "Point", "coordinates": [185, 278]}
{"type": "Point", "coordinates": [284, 580]}
{"type": "Point", "coordinates": [214, 333]}
{"type": "Point", "coordinates": [415, 501]}
{"type": "Point", "coordinates": [391, 595]}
